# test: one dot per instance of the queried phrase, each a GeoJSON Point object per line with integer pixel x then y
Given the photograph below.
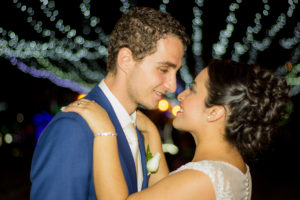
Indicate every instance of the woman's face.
{"type": "Point", "coordinates": [192, 113]}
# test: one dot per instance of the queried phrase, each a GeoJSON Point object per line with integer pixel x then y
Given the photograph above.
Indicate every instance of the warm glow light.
{"type": "Point", "coordinates": [81, 96]}
{"type": "Point", "coordinates": [8, 138]}
{"type": "Point", "coordinates": [163, 105]}
{"type": "Point", "coordinates": [175, 109]}
{"type": "Point", "coordinates": [20, 117]}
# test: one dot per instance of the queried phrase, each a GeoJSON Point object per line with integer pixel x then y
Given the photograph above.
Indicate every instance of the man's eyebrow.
{"type": "Point", "coordinates": [169, 64]}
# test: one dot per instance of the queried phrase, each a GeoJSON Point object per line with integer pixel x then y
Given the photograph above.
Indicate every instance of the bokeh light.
{"type": "Point", "coordinates": [175, 109]}
{"type": "Point", "coordinates": [163, 105]}
{"type": "Point", "coordinates": [20, 117]}
{"type": "Point", "coordinates": [81, 96]}
{"type": "Point", "coordinates": [8, 138]}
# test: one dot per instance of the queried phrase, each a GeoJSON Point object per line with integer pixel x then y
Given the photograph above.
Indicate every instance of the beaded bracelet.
{"type": "Point", "coordinates": [106, 134]}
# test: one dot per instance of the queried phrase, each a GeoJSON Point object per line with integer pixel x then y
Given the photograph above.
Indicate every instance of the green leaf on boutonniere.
{"type": "Point", "coordinates": [148, 154]}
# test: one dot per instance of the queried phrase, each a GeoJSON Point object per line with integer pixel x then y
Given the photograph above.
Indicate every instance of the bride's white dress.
{"type": "Point", "coordinates": [228, 181]}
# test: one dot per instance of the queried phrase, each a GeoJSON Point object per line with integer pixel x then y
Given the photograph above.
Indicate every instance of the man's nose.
{"type": "Point", "coordinates": [171, 83]}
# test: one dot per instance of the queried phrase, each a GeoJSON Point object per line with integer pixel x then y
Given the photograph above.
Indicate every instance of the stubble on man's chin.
{"type": "Point", "coordinates": [148, 107]}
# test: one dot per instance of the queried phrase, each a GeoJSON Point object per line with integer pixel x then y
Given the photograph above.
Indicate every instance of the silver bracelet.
{"type": "Point", "coordinates": [106, 134]}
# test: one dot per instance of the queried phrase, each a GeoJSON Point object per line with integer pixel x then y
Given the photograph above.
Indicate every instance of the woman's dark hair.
{"type": "Point", "coordinates": [255, 101]}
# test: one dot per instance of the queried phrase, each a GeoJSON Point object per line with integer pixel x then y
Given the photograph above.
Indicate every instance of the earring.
{"type": "Point", "coordinates": [208, 117]}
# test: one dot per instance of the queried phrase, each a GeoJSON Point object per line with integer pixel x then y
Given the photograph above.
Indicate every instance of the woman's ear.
{"type": "Point", "coordinates": [215, 113]}
{"type": "Point", "coordinates": [124, 59]}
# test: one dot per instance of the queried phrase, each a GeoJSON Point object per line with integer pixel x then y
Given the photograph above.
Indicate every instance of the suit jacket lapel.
{"type": "Point", "coordinates": [126, 157]}
{"type": "Point", "coordinates": [143, 158]}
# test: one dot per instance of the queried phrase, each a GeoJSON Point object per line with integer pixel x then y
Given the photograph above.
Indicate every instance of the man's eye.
{"type": "Point", "coordinates": [164, 70]}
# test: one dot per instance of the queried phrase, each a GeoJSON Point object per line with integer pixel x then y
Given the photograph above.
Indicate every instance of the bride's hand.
{"type": "Point", "coordinates": [96, 117]}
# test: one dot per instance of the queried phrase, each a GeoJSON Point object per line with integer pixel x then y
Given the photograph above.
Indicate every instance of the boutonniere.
{"type": "Point", "coordinates": [152, 161]}
{"type": "Point", "coordinates": [170, 148]}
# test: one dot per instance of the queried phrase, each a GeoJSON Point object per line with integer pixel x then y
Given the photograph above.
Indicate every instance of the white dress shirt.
{"type": "Point", "coordinates": [124, 119]}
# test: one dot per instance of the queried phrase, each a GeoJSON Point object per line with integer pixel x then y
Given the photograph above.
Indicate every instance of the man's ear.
{"type": "Point", "coordinates": [215, 113]}
{"type": "Point", "coordinates": [124, 59]}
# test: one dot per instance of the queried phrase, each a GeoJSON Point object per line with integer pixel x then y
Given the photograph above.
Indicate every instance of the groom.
{"type": "Point", "coordinates": [145, 51]}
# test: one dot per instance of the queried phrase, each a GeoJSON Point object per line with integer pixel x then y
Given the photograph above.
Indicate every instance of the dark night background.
{"type": "Point", "coordinates": [275, 175]}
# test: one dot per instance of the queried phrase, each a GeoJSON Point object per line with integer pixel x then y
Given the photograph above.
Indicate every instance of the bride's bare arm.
{"type": "Point", "coordinates": [152, 138]}
{"type": "Point", "coordinates": [108, 175]}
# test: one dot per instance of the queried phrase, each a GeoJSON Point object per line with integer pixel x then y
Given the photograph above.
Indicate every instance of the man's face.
{"type": "Point", "coordinates": [155, 75]}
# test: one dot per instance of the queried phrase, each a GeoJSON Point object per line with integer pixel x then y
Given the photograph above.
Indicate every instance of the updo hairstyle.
{"type": "Point", "coordinates": [255, 101]}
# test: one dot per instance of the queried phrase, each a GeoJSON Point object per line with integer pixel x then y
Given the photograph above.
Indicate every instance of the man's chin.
{"type": "Point", "coordinates": [148, 106]}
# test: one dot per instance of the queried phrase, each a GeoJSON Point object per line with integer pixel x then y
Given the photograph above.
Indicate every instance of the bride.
{"type": "Point", "coordinates": [232, 110]}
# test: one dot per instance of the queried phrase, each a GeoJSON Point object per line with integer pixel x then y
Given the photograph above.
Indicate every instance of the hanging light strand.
{"type": "Point", "coordinates": [197, 35]}
{"type": "Point", "coordinates": [220, 47]}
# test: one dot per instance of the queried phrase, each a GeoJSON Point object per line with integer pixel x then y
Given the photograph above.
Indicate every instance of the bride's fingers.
{"type": "Point", "coordinates": [71, 108]}
{"type": "Point", "coordinates": [79, 105]}
{"type": "Point", "coordinates": [74, 106]}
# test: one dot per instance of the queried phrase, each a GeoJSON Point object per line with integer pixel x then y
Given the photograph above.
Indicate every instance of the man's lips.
{"type": "Point", "coordinates": [161, 94]}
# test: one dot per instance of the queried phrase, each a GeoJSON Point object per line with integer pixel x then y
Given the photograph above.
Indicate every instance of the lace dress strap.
{"type": "Point", "coordinates": [228, 181]}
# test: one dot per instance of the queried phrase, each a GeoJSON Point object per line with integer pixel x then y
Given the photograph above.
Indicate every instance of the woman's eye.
{"type": "Point", "coordinates": [192, 88]}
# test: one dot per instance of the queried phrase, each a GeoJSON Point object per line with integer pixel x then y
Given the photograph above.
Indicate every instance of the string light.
{"type": "Point", "coordinates": [220, 47]}
{"type": "Point", "coordinates": [293, 79]}
{"type": "Point", "coordinates": [250, 44]}
{"type": "Point", "coordinates": [163, 6]}
{"type": "Point", "coordinates": [240, 49]}
{"type": "Point", "coordinates": [42, 73]}
{"type": "Point", "coordinates": [289, 43]}
{"type": "Point", "coordinates": [72, 49]}
{"type": "Point", "coordinates": [197, 35]}
{"type": "Point", "coordinates": [185, 74]}
{"type": "Point", "coordinates": [72, 58]}
{"type": "Point", "coordinates": [125, 6]}
{"type": "Point", "coordinates": [296, 55]}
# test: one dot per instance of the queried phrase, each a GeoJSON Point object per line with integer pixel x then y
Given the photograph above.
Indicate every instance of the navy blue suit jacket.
{"type": "Point", "coordinates": [62, 165]}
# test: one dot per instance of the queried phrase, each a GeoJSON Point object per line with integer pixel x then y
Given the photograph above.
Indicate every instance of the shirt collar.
{"type": "Point", "coordinates": [119, 109]}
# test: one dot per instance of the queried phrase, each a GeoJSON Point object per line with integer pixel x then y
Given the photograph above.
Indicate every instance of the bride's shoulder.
{"type": "Point", "coordinates": [210, 168]}
{"type": "Point", "coordinates": [206, 174]}
{"type": "Point", "coordinates": [193, 182]}
{"type": "Point", "coordinates": [200, 166]}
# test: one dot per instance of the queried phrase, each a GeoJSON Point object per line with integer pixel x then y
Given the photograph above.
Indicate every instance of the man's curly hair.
{"type": "Point", "coordinates": [139, 30]}
{"type": "Point", "coordinates": [255, 100]}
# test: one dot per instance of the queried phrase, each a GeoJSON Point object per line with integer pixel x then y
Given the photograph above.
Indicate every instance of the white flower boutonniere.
{"type": "Point", "coordinates": [170, 148]}
{"type": "Point", "coordinates": [152, 162]}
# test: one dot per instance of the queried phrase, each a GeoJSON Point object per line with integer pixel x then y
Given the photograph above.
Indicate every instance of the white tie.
{"type": "Point", "coordinates": [132, 139]}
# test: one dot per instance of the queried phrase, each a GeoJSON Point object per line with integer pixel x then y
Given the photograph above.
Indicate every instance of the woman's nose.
{"type": "Point", "coordinates": [181, 96]}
